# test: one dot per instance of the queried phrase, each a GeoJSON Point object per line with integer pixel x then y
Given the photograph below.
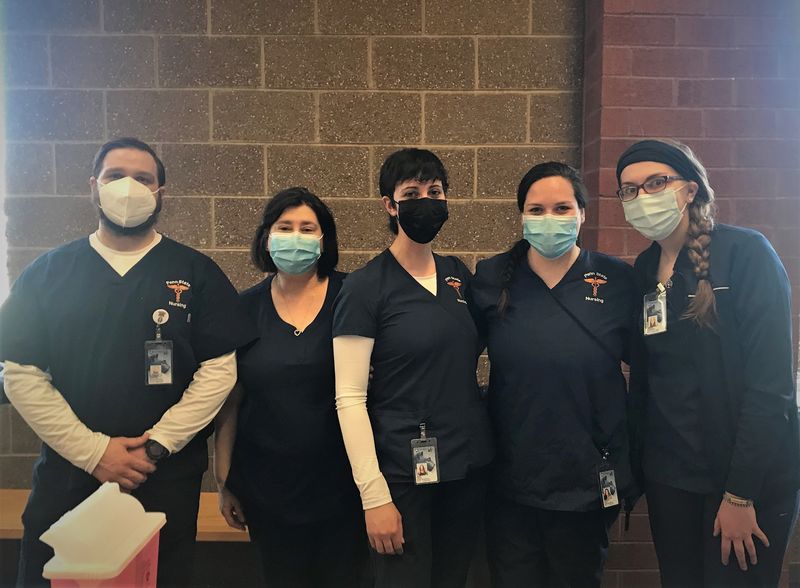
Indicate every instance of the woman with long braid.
{"type": "Point", "coordinates": [712, 394]}
{"type": "Point", "coordinates": [558, 321]}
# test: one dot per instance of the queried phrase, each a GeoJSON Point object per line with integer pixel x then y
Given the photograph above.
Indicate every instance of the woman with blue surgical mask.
{"type": "Point", "coordinates": [280, 461]}
{"type": "Point", "coordinates": [557, 320]}
{"type": "Point", "coordinates": [712, 393]}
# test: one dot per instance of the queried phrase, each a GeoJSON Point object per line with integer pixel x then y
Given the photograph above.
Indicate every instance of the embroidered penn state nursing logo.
{"type": "Point", "coordinates": [178, 287]}
{"type": "Point", "coordinates": [595, 280]}
{"type": "Point", "coordinates": [455, 284]}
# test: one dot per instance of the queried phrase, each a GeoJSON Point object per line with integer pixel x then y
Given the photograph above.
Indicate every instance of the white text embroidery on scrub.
{"type": "Point", "coordinates": [178, 287]}
{"type": "Point", "coordinates": [595, 280]}
{"type": "Point", "coordinates": [456, 284]}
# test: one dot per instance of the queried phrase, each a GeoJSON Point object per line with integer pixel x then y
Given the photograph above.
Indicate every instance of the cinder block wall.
{"type": "Point", "coordinates": [243, 98]}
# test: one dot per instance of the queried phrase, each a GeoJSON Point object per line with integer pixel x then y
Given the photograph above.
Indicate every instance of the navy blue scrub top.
{"type": "Point", "coordinates": [289, 461]}
{"type": "Point", "coordinates": [71, 313]}
{"type": "Point", "coordinates": [674, 453]}
{"type": "Point", "coordinates": [556, 397]}
{"type": "Point", "coordinates": [424, 359]}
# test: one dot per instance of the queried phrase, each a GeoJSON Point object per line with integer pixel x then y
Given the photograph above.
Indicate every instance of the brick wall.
{"type": "Point", "coordinates": [723, 76]}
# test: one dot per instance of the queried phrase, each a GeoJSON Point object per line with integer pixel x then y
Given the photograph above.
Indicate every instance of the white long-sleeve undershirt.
{"type": "Point", "coordinates": [351, 355]}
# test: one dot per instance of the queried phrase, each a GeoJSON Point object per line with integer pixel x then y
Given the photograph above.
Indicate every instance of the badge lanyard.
{"type": "Point", "coordinates": [655, 311]}
{"type": "Point", "coordinates": [425, 458]}
{"type": "Point", "coordinates": [158, 354]}
{"type": "Point", "coordinates": [605, 472]}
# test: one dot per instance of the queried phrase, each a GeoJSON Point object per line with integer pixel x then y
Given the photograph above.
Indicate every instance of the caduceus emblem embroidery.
{"type": "Point", "coordinates": [455, 283]}
{"type": "Point", "coordinates": [178, 289]}
{"type": "Point", "coordinates": [595, 283]}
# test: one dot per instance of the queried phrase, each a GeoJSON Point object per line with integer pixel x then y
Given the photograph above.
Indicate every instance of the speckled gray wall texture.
{"type": "Point", "coordinates": [245, 97]}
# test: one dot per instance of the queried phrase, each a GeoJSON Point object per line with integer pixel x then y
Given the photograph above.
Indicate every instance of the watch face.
{"type": "Point", "coordinates": [155, 450]}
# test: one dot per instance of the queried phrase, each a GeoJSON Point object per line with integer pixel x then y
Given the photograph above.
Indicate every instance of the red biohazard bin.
{"type": "Point", "coordinates": [107, 541]}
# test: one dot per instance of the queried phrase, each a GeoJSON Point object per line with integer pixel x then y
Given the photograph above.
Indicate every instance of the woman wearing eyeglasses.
{"type": "Point", "coordinates": [712, 394]}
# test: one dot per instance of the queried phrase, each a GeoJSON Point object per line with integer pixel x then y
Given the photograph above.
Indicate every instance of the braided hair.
{"type": "Point", "coordinates": [520, 249]}
{"type": "Point", "coordinates": [702, 310]}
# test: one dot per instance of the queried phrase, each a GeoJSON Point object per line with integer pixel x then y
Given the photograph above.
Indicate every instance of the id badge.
{"type": "Point", "coordinates": [608, 488]}
{"type": "Point", "coordinates": [425, 458]}
{"type": "Point", "coordinates": [655, 311]}
{"type": "Point", "coordinates": [158, 362]}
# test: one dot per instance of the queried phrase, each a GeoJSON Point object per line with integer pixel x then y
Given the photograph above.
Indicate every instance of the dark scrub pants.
{"type": "Point", "coordinates": [531, 546]}
{"type": "Point", "coordinates": [441, 523]}
{"type": "Point", "coordinates": [689, 555]}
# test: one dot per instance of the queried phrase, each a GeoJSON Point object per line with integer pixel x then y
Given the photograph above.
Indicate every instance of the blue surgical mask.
{"type": "Point", "coordinates": [294, 253]}
{"type": "Point", "coordinates": [552, 236]}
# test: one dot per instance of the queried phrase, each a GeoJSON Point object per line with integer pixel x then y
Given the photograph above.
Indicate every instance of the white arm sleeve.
{"type": "Point", "coordinates": [50, 416]}
{"type": "Point", "coordinates": [201, 401]}
{"type": "Point", "coordinates": [351, 355]}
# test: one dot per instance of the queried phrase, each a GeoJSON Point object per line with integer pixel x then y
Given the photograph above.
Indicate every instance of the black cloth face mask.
{"type": "Point", "coordinates": [422, 218]}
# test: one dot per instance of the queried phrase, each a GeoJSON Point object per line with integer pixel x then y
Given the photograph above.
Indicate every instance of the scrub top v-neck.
{"type": "Point", "coordinates": [424, 359]}
{"type": "Point", "coordinates": [289, 459]}
{"type": "Point", "coordinates": [557, 398]}
{"type": "Point", "coordinates": [70, 313]}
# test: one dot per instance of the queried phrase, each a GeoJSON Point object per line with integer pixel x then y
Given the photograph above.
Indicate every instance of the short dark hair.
{"type": "Point", "coordinates": [128, 143]}
{"type": "Point", "coordinates": [276, 206]}
{"type": "Point", "coordinates": [548, 170]}
{"type": "Point", "coordinates": [409, 164]}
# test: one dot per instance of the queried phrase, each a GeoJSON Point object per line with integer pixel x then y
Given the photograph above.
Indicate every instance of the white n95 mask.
{"type": "Point", "coordinates": [126, 202]}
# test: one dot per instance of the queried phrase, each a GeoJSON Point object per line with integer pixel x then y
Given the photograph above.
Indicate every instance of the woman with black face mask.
{"type": "Point", "coordinates": [418, 454]}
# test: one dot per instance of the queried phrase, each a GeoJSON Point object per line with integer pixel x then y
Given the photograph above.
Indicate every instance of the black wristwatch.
{"type": "Point", "coordinates": [155, 451]}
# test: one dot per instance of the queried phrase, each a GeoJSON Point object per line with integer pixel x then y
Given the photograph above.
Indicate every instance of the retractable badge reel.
{"type": "Point", "coordinates": [608, 483]}
{"type": "Point", "coordinates": [425, 458]}
{"type": "Point", "coordinates": [655, 311]}
{"type": "Point", "coordinates": [158, 354]}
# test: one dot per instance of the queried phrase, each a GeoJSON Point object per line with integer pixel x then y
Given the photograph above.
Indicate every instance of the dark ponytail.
{"type": "Point", "coordinates": [515, 254]}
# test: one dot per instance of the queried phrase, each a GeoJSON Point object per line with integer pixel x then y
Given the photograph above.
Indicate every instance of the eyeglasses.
{"type": "Point", "coordinates": [651, 186]}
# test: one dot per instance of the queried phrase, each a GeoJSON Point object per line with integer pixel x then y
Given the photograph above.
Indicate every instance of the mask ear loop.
{"type": "Point", "coordinates": [688, 202]}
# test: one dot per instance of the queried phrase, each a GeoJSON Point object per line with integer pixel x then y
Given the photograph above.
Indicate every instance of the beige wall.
{"type": "Point", "coordinates": [243, 98]}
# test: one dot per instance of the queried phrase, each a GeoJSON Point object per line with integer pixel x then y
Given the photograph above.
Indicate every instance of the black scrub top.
{"type": "Point", "coordinates": [557, 398]}
{"type": "Point", "coordinates": [70, 313]}
{"type": "Point", "coordinates": [289, 461]}
{"type": "Point", "coordinates": [674, 453]}
{"type": "Point", "coordinates": [424, 359]}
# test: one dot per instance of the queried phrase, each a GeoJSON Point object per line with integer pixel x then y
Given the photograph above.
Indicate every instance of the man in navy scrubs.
{"type": "Point", "coordinates": [119, 349]}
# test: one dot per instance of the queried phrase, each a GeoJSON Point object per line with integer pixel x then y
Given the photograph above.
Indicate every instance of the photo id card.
{"type": "Point", "coordinates": [655, 312]}
{"type": "Point", "coordinates": [425, 460]}
{"type": "Point", "coordinates": [158, 362]}
{"type": "Point", "coordinates": [608, 488]}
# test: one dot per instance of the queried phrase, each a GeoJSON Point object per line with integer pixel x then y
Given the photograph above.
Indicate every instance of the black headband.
{"type": "Point", "coordinates": [651, 150]}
